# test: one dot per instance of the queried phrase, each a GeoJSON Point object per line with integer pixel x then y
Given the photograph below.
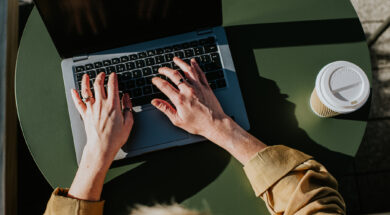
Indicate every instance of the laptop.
{"type": "Point", "coordinates": [134, 38]}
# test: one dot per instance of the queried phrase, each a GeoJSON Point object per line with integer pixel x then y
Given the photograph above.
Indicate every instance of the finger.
{"type": "Point", "coordinates": [127, 115]}
{"type": "Point", "coordinates": [99, 86]}
{"type": "Point", "coordinates": [112, 88]}
{"type": "Point", "coordinates": [80, 106]}
{"type": "Point", "coordinates": [175, 77]}
{"type": "Point", "coordinates": [165, 87]}
{"type": "Point", "coordinates": [200, 73]}
{"type": "Point", "coordinates": [186, 68]}
{"type": "Point", "coordinates": [166, 108]}
{"type": "Point", "coordinates": [85, 87]}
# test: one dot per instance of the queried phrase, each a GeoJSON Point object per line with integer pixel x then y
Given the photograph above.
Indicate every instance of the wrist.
{"type": "Point", "coordinates": [96, 159]}
{"type": "Point", "coordinates": [220, 130]}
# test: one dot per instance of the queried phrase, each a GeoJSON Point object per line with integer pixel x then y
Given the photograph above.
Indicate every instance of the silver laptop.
{"type": "Point", "coordinates": [134, 38]}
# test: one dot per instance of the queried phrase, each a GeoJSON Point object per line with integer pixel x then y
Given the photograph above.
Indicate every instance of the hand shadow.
{"type": "Point", "coordinates": [167, 176]}
{"type": "Point", "coordinates": [179, 173]}
{"type": "Point", "coordinates": [271, 115]}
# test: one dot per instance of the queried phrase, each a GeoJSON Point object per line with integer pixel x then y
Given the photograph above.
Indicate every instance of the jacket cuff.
{"type": "Point", "coordinates": [271, 164]}
{"type": "Point", "coordinates": [62, 202]}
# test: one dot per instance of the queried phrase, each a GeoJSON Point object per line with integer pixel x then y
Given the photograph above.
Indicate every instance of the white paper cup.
{"type": "Point", "coordinates": [341, 87]}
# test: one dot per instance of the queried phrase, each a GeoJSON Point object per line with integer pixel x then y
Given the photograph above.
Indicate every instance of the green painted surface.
{"type": "Point", "coordinates": [302, 65]}
{"type": "Point", "coordinates": [200, 175]}
{"type": "Point", "coordinates": [271, 11]}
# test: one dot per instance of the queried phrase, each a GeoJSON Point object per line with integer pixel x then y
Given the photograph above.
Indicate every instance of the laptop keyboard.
{"type": "Point", "coordinates": [135, 71]}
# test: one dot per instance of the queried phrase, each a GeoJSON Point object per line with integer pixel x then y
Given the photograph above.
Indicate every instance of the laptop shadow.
{"type": "Point", "coordinates": [179, 173]}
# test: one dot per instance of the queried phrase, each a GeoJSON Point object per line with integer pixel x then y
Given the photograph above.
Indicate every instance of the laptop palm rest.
{"type": "Point", "coordinates": [151, 128]}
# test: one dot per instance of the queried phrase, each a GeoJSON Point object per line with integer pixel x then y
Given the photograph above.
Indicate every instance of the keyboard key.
{"type": "Point", "coordinates": [149, 61]}
{"type": "Point", "coordinates": [151, 52]}
{"type": "Point", "coordinates": [210, 48]}
{"type": "Point", "coordinates": [110, 69]}
{"type": "Point", "coordinates": [169, 57]}
{"type": "Point", "coordinates": [149, 80]}
{"type": "Point", "coordinates": [179, 54]}
{"type": "Point", "coordinates": [100, 70]}
{"type": "Point", "coordinates": [126, 76]}
{"type": "Point", "coordinates": [120, 67]}
{"type": "Point", "coordinates": [198, 50]}
{"type": "Point", "coordinates": [140, 82]}
{"type": "Point", "coordinates": [137, 73]}
{"type": "Point", "coordinates": [80, 68]}
{"type": "Point", "coordinates": [215, 57]}
{"type": "Point", "coordinates": [91, 74]}
{"type": "Point", "coordinates": [146, 71]}
{"type": "Point", "coordinates": [133, 57]}
{"type": "Point", "coordinates": [107, 62]}
{"type": "Point", "coordinates": [211, 76]}
{"type": "Point", "coordinates": [212, 66]}
{"type": "Point", "coordinates": [205, 59]}
{"type": "Point", "coordinates": [166, 65]}
{"type": "Point", "coordinates": [155, 69]}
{"type": "Point", "coordinates": [159, 59]}
{"type": "Point", "coordinates": [189, 52]}
{"type": "Point", "coordinates": [79, 76]}
{"type": "Point", "coordinates": [140, 63]}
{"type": "Point", "coordinates": [147, 90]}
{"type": "Point", "coordinates": [137, 92]}
{"type": "Point", "coordinates": [98, 64]}
{"type": "Point", "coordinates": [129, 85]}
{"type": "Point", "coordinates": [125, 58]}
{"type": "Point", "coordinates": [142, 55]}
{"type": "Point", "coordinates": [155, 89]}
{"type": "Point", "coordinates": [174, 66]}
{"type": "Point", "coordinates": [115, 60]}
{"type": "Point", "coordinates": [159, 51]}
{"type": "Point", "coordinates": [168, 49]}
{"type": "Point", "coordinates": [89, 66]}
{"type": "Point", "coordinates": [213, 85]}
{"type": "Point", "coordinates": [221, 83]}
{"type": "Point", "coordinates": [130, 65]}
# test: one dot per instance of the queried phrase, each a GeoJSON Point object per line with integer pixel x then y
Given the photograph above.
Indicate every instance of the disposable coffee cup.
{"type": "Point", "coordinates": [341, 87]}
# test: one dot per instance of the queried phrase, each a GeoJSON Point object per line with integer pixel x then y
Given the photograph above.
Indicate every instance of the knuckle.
{"type": "Point", "coordinates": [181, 99]}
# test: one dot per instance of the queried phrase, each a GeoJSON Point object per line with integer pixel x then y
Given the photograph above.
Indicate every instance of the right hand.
{"type": "Point", "coordinates": [196, 108]}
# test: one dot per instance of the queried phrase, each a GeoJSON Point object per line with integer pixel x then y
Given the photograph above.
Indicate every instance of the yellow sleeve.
{"type": "Point", "coordinates": [60, 204]}
{"type": "Point", "coordinates": [291, 182]}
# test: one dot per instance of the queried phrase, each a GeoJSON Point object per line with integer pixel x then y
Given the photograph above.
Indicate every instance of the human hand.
{"type": "Point", "coordinates": [107, 122]}
{"type": "Point", "coordinates": [196, 110]}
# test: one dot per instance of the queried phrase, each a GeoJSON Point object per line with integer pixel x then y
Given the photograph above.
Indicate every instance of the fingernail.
{"type": "Point", "coordinates": [155, 102]}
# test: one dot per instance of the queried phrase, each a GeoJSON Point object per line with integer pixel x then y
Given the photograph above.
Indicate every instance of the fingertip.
{"type": "Point", "coordinates": [154, 102]}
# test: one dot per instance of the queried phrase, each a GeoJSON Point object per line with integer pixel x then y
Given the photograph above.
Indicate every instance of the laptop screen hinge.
{"type": "Point", "coordinates": [204, 31]}
{"type": "Point", "coordinates": [79, 58]}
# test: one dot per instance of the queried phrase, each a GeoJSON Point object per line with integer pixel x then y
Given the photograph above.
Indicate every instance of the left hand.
{"type": "Point", "coordinates": [107, 122]}
{"type": "Point", "coordinates": [108, 125]}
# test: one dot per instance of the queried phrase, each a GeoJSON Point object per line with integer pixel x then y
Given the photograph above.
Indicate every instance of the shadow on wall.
{"type": "Point", "coordinates": [179, 173]}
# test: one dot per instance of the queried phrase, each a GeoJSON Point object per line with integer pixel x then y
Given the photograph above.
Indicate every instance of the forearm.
{"type": "Point", "coordinates": [89, 179]}
{"type": "Point", "coordinates": [239, 143]}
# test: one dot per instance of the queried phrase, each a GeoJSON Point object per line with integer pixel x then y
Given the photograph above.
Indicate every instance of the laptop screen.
{"type": "Point", "coordinates": [78, 27]}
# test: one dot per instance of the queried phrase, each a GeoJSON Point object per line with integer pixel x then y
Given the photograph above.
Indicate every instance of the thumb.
{"type": "Point", "coordinates": [166, 108]}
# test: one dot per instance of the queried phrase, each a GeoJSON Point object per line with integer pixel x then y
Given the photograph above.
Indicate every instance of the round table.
{"type": "Point", "coordinates": [277, 48]}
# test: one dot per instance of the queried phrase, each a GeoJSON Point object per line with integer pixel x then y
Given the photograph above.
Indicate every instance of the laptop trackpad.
{"type": "Point", "coordinates": [151, 127]}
